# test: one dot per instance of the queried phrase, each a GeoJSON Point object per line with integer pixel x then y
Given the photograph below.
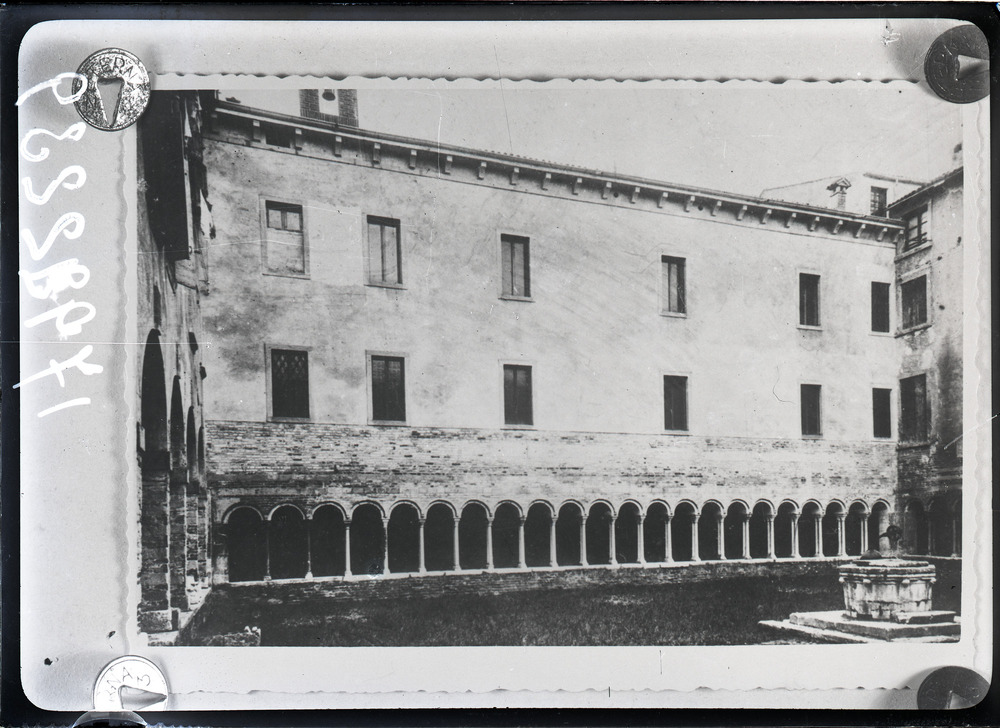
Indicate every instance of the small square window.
{"type": "Point", "coordinates": [289, 383]}
{"type": "Point", "coordinates": [278, 135]}
{"type": "Point", "coordinates": [808, 299]}
{"type": "Point", "coordinates": [515, 263]}
{"type": "Point", "coordinates": [914, 295]}
{"type": "Point", "coordinates": [916, 228]}
{"type": "Point", "coordinates": [812, 423]}
{"type": "Point", "coordinates": [388, 389]}
{"type": "Point", "coordinates": [284, 239]}
{"type": "Point", "coordinates": [914, 410]}
{"type": "Point", "coordinates": [882, 412]}
{"type": "Point", "coordinates": [384, 252]}
{"type": "Point", "coordinates": [517, 408]}
{"type": "Point", "coordinates": [675, 405]}
{"type": "Point", "coordinates": [879, 201]}
{"type": "Point", "coordinates": [880, 307]}
{"type": "Point", "coordinates": [674, 289]}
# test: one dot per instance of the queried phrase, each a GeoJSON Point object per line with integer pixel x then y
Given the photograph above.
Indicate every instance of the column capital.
{"type": "Point", "coordinates": [522, 519]}
{"type": "Point", "coordinates": [421, 520]}
{"type": "Point", "coordinates": [745, 518]}
{"type": "Point", "coordinates": [642, 518]}
{"type": "Point", "coordinates": [769, 517]}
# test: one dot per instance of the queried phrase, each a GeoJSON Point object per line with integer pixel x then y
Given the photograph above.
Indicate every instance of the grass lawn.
{"type": "Point", "coordinates": [723, 612]}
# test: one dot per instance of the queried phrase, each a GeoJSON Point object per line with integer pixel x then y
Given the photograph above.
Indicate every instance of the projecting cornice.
{"type": "Point", "coordinates": [320, 140]}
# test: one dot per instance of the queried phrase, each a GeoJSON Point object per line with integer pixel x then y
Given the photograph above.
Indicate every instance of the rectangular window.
{"type": "Point", "coordinates": [278, 135]}
{"type": "Point", "coordinates": [881, 412]}
{"type": "Point", "coordinates": [289, 383]}
{"type": "Point", "coordinates": [812, 422]}
{"type": "Point", "coordinates": [675, 406]}
{"type": "Point", "coordinates": [808, 299]}
{"type": "Point", "coordinates": [880, 307]}
{"type": "Point", "coordinates": [516, 266]}
{"type": "Point", "coordinates": [916, 228]}
{"type": "Point", "coordinates": [388, 389]}
{"type": "Point", "coordinates": [914, 411]}
{"type": "Point", "coordinates": [914, 295]}
{"type": "Point", "coordinates": [285, 247]}
{"type": "Point", "coordinates": [674, 293]}
{"type": "Point", "coordinates": [384, 252]}
{"type": "Point", "coordinates": [879, 199]}
{"type": "Point", "coordinates": [517, 395]}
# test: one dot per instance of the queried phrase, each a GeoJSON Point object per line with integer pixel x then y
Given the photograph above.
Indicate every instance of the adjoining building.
{"type": "Point", "coordinates": [428, 358]}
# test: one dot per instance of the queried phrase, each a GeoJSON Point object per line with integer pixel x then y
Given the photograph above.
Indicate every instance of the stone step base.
{"type": "Point", "coordinates": [931, 617]}
{"type": "Point", "coordinates": [886, 631]}
{"type": "Point", "coordinates": [815, 634]}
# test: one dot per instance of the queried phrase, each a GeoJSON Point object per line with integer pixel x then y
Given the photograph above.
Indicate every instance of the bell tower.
{"type": "Point", "coordinates": [338, 106]}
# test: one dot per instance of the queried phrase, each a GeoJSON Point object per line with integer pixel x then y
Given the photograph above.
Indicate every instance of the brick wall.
{"type": "Point", "coordinates": [272, 463]}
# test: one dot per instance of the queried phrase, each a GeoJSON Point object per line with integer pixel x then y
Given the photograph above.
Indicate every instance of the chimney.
{"type": "Point", "coordinates": [337, 106]}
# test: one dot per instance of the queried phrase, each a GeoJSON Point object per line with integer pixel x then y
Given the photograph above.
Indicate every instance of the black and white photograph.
{"type": "Point", "coordinates": [675, 369]}
{"type": "Point", "coordinates": [465, 368]}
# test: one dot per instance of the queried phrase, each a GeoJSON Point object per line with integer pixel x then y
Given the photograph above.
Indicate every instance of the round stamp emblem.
{"type": "Point", "coordinates": [117, 89]}
{"type": "Point", "coordinates": [957, 65]}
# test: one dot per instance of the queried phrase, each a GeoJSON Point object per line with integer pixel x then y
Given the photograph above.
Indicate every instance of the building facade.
{"type": "Point", "coordinates": [429, 358]}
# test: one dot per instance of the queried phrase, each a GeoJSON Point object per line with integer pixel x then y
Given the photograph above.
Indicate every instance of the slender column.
{"type": "Point", "coordinates": [612, 556]}
{"type": "Point", "coordinates": [668, 541]}
{"type": "Point", "coordinates": [795, 535]}
{"type": "Point", "coordinates": [695, 556]}
{"type": "Point", "coordinates": [454, 543]}
{"type": "Point", "coordinates": [641, 539]}
{"type": "Point", "coordinates": [347, 548]}
{"type": "Point", "coordinates": [583, 541]}
{"type": "Point", "coordinates": [385, 546]}
{"type": "Point", "coordinates": [841, 539]}
{"type": "Point", "coordinates": [720, 536]}
{"type": "Point", "coordinates": [521, 564]}
{"type": "Point", "coordinates": [552, 541]}
{"type": "Point", "coordinates": [864, 532]}
{"type": "Point", "coordinates": [489, 543]}
{"type": "Point", "coordinates": [309, 556]}
{"type": "Point", "coordinates": [746, 536]}
{"type": "Point", "coordinates": [956, 538]}
{"type": "Point", "coordinates": [422, 566]}
{"type": "Point", "coordinates": [818, 536]}
{"type": "Point", "coordinates": [267, 550]}
{"type": "Point", "coordinates": [769, 520]}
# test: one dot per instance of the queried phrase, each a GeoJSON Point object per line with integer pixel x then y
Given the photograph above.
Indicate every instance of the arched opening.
{"type": "Point", "coordinates": [682, 531]}
{"type": "Point", "coordinates": [708, 531]}
{"type": "Point", "coordinates": [153, 406]}
{"type": "Point", "coordinates": [915, 528]}
{"type": "Point", "coordinates": [287, 543]}
{"type": "Point", "coordinates": [367, 540]}
{"type": "Point", "coordinates": [154, 519]}
{"type": "Point", "coordinates": [192, 443]}
{"type": "Point", "coordinates": [654, 533]}
{"type": "Point", "coordinates": [327, 541]}
{"type": "Point", "coordinates": [472, 529]}
{"type": "Point", "coordinates": [439, 538]}
{"type": "Point", "coordinates": [599, 534]}
{"type": "Point", "coordinates": [855, 525]}
{"type": "Point", "coordinates": [878, 522]}
{"type": "Point", "coordinates": [568, 535]}
{"type": "Point", "coordinates": [178, 448]}
{"type": "Point", "coordinates": [759, 518]}
{"type": "Point", "coordinates": [786, 526]}
{"type": "Point", "coordinates": [939, 523]}
{"type": "Point", "coordinates": [733, 527]}
{"type": "Point", "coordinates": [809, 527]}
{"type": "Point", "coordinates": [404, 539]}
{"type": "Point", "coordinates": [247, 545]}
{"type": "Point", "coordinates": [506, 527]}
{"type": "Point", "coordinates": [201, 449]}
{"type": "Point", "coordinates": [627, 534]}
{"type": "Point", "coordinates": [537, 532]}
{"type": "Point", "coordinates": [833, 521]}
{"type": "Point", "coordinates": [157, 308]}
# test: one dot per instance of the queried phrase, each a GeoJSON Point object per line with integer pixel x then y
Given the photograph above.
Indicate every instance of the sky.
{"type": "Point", "coordinates": [735, 137]}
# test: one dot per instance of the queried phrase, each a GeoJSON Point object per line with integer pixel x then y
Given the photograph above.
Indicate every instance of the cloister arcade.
{"type": "Point", "coordinates": [370, 538]}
